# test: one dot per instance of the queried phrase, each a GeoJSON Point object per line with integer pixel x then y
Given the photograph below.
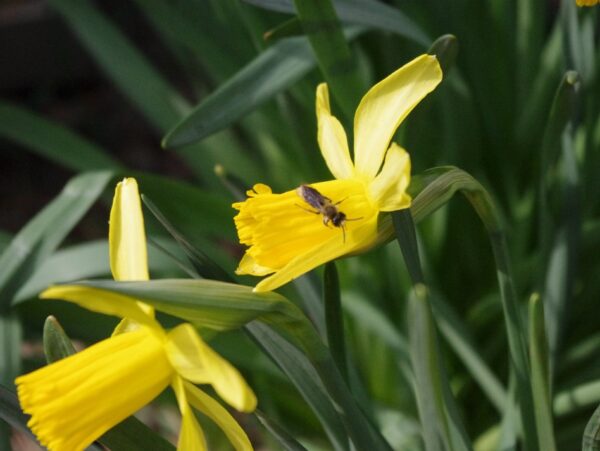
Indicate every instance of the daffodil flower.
{"type": "Point", "coordinates": [74, 401]}
{"type": "Point", "coordinates": [286, 235]}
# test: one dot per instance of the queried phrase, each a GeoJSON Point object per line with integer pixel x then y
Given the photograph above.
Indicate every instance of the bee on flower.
{"type": "Point", "coordinates": [284, 241]}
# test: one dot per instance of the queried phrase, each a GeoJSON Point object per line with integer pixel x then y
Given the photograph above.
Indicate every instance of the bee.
{"type": "Point", "coordinates": [324, 206]}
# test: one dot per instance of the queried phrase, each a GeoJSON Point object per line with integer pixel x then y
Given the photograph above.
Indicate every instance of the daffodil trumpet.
{"type": "Point", "coordinates": [73, 401]}
{"type": "Point", "coordinates": [285, 241]}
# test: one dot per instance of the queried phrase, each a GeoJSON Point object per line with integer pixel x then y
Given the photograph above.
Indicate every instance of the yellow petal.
{"type": "Point", "coordinates": [194, 360]}
{"type": "Point", "coordinates": [359, 238]}
{"type": "Point", "coordinates": [102, 301]}
{"type": "Point", "coordinates": [215, 411]}
{"type": "Point", "coordinates": [587, 2]}
{"type": "Point", "coordinates": [191, 436]}
{"type": "Point", "coordinates": [389, 187]}
{"type": "Point", "coordinates": [279, 227]}
{"type": "Point", "coordinates": [249, 266]}
{"type": "Point", "coordinates": [385, 106]}
{"type": "Point", "coordinates": [127, 238]}
{"type": "Point", "coordinates": [127, 242]}
{"type": "Point", "coordinates": [332, 138]}
{"type": "Point", "coordinates": [74, 401]}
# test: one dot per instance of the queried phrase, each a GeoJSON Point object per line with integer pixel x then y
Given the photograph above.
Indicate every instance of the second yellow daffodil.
{"type": "Point", "coordinates": [72, 402]}
{"type": "Point", "coordinates": [284, 239]}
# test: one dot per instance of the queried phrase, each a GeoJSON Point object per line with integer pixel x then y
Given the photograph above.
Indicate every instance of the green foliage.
{"type": "Point", "coordinates": [435, 333]}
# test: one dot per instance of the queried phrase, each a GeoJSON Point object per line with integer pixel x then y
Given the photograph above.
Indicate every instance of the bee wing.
{"type": "Point", "coordinates": [312, 197]}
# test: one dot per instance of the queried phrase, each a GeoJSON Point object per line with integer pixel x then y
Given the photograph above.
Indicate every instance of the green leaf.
{"type": "Point", "coordinates": [278, 67]}
{"type": "Point", "coordinates": [369, 13]}
{"type": "Point", "coordinates": [425, 363]}
{"type": "Point", "coordinates": [191, 210]}
{"type": "Point", "coordinates": [435, 187]}
{"type": "Point", "coordinates": [195, 34]}
{"type": "Point", "coordinates": [322, 28]}
{"type": "Point", "coordinates": [87, 261]}
{"type": "Point", "coordinates": [202, 263]}
{"type": "Point", "coordinates": [307, 287]}
{"type": "Point", "coordinates": [82, 261]}
{"type": "Point", "coordinates": [5, 238]}
{"type": "Point", "coordinates": [132, 434]}
{"type": "Point", "coordinates": [540, 375]}
{"type": "Point", "coordinates": [304, 377]}
{"type": "Point", "coordinates": [442, 427]}
{"type": "Point", "coordinates": [559, 226]}
{"type": "Point", "coordinates": [288, 29]}
{"type": "Point", "coordinates": [334, 318]}
{"type": "Point", "coordinates": [57, 345]}
{"type": "Point", "coordinates": [10, 411]}
{"type": "Point", "coordinates": [11, 335]}
{"type": "Point", "coordinates": [123, 63]}
{"type": "Point", "coordinates": [38, 239]}
{"type": "Point", "coordinates": [591, 434]}
{"type": "Point", "coordinates": [577, 397]}
{"type": "Point", "coordinates": [52, 141]}
{"type": "Point", "coordinates": [407, 238]}
{"type": "Point", "coordinates": [457, 335]}
{"type": "Point", "coordinates": [222, 306]}
{"type": "Point", "coordinates": [285, 439]}
{"type": "Point", "coordinates": [445, 48]}
{"type": "Point", "coordinates": [205, 303]}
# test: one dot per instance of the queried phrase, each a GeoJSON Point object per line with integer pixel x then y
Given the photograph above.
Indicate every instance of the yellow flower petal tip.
{"type": "Point", "coordinates": [587, 2]}
{"type": "Point", "coordinates": [126, 236]}
{"type": "Point", "coordinates": [291, 233]}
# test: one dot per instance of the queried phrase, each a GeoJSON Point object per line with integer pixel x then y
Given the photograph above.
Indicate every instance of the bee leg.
{"type": "Point", "coordinates": [353, 219]}
{"type": "Point", "coordinates": [344, 235]}
{"type": "Point", "coordinates": [339, 202]}
{"type": "Point", "coordinates": [306, 209]}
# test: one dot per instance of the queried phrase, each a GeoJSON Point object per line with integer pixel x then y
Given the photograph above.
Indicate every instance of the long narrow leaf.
{"type": "Point", "coordinates": [435, 187]}
{"type": "Point", "coordinates": [202, 262]}
{"type": "Point", "coordinates": [334, 318]}
{"type": "Point", "coordinates": [369, 13]}
{"type": "Point", "coordinates": [285, 439]}
{"type": "Point", "coordinates": [559, 258]}
{"type": "Point", "coordinates": [430, 383]}
{"type": "Point", "coordinates": [302, 374]}
{"type": "Point", "coordinates": [52, 141]}
{"type": "Point", "coordinates": [222, 306]}
{"type": "Point", "coordinates": [11, 413]}
{"type": "Point", "coordinates": [137, 79]}
{"type": "Point", "coordinates": [38, 239]}
{"type": "Point", "coordinates": [272, 71]}
{"type": "Point", "coordinates": [538, 350]}
{"type": "Point", "coordinates": [322, 28]}
{"type": "Point", "coordinates": [591, 435]}
{"type": "Point", "coordinates": [423, 351]}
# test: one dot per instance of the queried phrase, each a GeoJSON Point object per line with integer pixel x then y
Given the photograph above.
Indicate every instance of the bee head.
{"type": "Point", "coordinates": [339, 219]}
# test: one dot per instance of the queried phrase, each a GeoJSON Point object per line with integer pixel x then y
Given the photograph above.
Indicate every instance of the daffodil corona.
{"type": "Point", "coordinates": [72, 402]}
{"type": "Point", "coordinates": [285, 235]}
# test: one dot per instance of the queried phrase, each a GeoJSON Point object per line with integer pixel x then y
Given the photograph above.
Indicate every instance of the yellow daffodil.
{"type": "Point", "coordinates": [291, 233]}
{"type": "Point", "coordinates": [74, 401]}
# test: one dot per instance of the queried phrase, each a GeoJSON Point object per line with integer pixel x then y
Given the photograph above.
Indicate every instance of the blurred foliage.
{"type": "Point", "coordinates": [442, 367]}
